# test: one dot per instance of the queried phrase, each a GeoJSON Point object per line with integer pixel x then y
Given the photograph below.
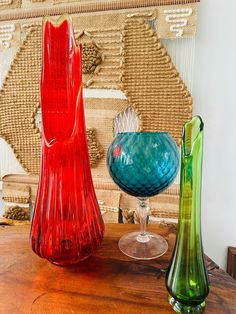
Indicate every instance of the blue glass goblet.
{"type": "Point", "coordinates": [143, 164]}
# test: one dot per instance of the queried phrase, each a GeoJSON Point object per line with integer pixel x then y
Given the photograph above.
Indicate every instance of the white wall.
{"type": "Point", "coordinates": [214, 99]}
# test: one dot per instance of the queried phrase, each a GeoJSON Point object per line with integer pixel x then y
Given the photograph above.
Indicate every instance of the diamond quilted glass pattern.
{"type": "Point", "coordinates": [143, 163]}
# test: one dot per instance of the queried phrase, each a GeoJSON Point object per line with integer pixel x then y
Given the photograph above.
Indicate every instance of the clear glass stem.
{"type": "Point", "coordinates": [143, 209]}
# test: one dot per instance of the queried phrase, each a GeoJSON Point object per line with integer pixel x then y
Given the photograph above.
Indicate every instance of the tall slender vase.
{"type": "Point", "coordinates": [187, 279]}
{"type": "Point", "coordinates": [67, 225]}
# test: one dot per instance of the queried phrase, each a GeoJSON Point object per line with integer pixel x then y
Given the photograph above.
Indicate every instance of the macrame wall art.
{"type": "Point", "coordinates": [137, 72]}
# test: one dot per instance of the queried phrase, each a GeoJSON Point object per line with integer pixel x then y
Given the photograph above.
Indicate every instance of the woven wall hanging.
{"type": "Point", "coordinates": [137, 73]}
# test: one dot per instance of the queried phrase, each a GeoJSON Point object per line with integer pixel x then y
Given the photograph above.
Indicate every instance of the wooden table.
{"type": "Point", "coordinates": [108, 282]}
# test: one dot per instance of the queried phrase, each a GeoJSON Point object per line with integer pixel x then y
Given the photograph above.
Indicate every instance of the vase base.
{"type": "Point", "coordinates": [67, 264]}
{"type": "Point", "coordinates": [152, 246]}
{"type": "Point", "coordinates": [186, 309]}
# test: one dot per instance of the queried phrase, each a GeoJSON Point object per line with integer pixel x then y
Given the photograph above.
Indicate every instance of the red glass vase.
{"type": "Point", "coordinates": [67, 225]}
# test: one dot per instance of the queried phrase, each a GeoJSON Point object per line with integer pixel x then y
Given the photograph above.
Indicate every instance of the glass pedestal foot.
{"type": "Point", "coordinates": [143, 247]}
{"type": "Point", "coordinates": [186, 309]}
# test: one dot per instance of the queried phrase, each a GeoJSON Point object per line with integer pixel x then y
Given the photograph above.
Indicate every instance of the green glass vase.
{"type": "Point", "coordinates": [187, 278]}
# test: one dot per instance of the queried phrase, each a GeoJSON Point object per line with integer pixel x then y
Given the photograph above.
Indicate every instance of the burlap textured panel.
{"type": "Point", "coordinates": [122, 31]}
{"type": "Point", "coordinates": [9, 37]}
{"type": "Point", "coordinates": [19, 101]}
{"type": "Point", "coordinates": [17, 193]}
{"type": "Point", "coordinates": [164, 205]}
{"type": "Point", "coordinates": [177, 22]}
{"type": "Point", "coordinates": [151, 82]}
{"type": "Point", "coordinates": [105, 32]}
{"type": "Point", "coordinates": [95, 149]}
{"type": "Point", "coordinates": [172, 16]}
{"type": "Point", "coordinates": [9, 4]}
{"type": "Point", "coordinates": [17, 212]}
{"type": "Point", "coordinates": [159, 107]}
{"type": "Point", "coordinates": [20, 190]}
{"type": "Point", "coordinates": [100, 113]}
{"type": "Point", "coordinates": [121, 4]}
{"type": "Point", "coordinates": [109, 203]}
{"type": "Point", "coordinates": [11, 222]}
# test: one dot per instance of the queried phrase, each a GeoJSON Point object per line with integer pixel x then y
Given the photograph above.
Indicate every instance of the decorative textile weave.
{"type": "Point", "coordinates": [101, 113]}
{"type": "Point", "coordinates": [19, 99]}
{"type": "Point", "coordinates": [10, 4]}
{"type": "Point", "coordinates": [151, 82]}
{"type": "Point", "coordinates": [21, 190]}
{"type": "Point", "coordinates": [137, 74]}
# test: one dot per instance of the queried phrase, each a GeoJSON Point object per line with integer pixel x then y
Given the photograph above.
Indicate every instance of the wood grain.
{"type": "Point", "coordinates": [231, 261]}
{"type": "Point", "coordinates": [108, 282]}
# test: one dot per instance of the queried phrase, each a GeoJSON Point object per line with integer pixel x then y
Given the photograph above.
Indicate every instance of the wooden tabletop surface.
{"type": "Point", "coordinates": [108, 282]}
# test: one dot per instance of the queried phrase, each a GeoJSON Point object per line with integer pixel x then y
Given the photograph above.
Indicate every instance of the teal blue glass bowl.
{"type": "Point", "coordinates": [143, 164]}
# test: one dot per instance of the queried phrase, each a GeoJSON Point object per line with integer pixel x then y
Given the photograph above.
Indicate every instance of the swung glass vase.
{"type": "Point", "coordinates": [67, 225]}
{"type": "Point", "coordinates": [187, 278]}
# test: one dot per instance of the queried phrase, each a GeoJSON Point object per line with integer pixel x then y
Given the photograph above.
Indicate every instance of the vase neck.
{"type": "Point", "coordinates": [61, 81]}
{"type": "Point", "coordinates": [191, 171]}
